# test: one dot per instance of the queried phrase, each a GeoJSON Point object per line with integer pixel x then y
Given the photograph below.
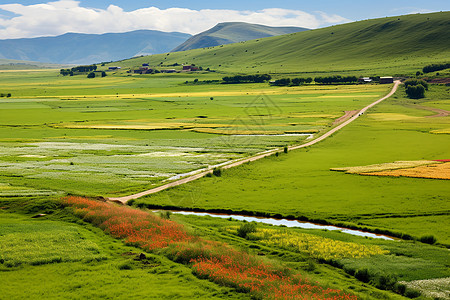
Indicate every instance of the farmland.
{"type": "Point", "coordinates": [111, 145]}
{"type": "Point", "coordinates": [67, 143]}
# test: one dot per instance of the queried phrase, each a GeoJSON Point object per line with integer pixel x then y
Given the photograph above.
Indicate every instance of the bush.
{"type": "Point", "coordinates": [412, 294]}
{"type": "Point", "coordinates": [286, 149]}
{"type": "Point", "coordinates": [91, 75]}
{"type": "Point", "coordinates": [245, 229]}
{"type": "Point", "coordinates": [415, 91]}
{"type": "Point", "coordinates": [217, 172]}
{"type": "Point", "coordinates": [165, 214]}
{"type": "Point", "coordinates": [363, 275]}
{"type": "Point", "coordinates": [412, 82]}
{"type": "Point", "coordinates": [428, 239]}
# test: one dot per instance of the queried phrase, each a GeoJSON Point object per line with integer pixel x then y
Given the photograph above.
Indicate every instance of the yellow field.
{"type": "Point", "coordinates": [434, 171]}
{"type": "Point", "coordinates": [384, 167]}
{"type": "Point", "coordinates": [315, 246]}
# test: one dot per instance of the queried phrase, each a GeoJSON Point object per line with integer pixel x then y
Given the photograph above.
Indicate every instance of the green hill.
{"type": "Point", "coordinates": [394, 45]}
{"type": "Point", "coordinates": [233, 32]}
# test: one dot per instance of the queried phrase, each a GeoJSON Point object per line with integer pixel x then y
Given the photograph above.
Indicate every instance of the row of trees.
{"type": "Point", "coordinates": [93, 75]}
{"type": "Point", "coordinates": [336, 79]}
{"type": "Point", "coordinates": [291, 82]}
{"type": "Point", "coordinates": [435, 67]}
{"type": "Point", "coordinates": [79, 69]}
{"type": "Point", "coordinates": [247, 78]}
{"type": "Point", "coordinates": [415, 88]}
{"type": "Point", "coordinates": [5, 95]}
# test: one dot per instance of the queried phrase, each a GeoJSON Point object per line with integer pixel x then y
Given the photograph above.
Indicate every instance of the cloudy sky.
{"type": "Point", "coordinates": [32, 18]}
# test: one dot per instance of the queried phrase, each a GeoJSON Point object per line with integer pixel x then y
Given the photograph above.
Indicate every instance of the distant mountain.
{"type": "Point", "coordinates": [11, 64]}
{"type": "Point", "coordinates": [233, 32]}
{"type": "Point", "coordinates": [77, 48]}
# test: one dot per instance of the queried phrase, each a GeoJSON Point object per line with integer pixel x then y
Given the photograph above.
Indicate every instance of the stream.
{"type": "Point", "coordinates": [287, 223]}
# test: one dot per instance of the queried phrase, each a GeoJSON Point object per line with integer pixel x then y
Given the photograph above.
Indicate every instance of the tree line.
{"type": "Point", "coordinates": [79, 69]}
{"type": "Point", "coordinates": [247, 78]}
{"type": "Point", "coordinates": [435, 67]}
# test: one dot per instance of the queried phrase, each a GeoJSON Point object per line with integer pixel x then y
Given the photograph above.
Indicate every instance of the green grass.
{"type": "Point", "coordinates": [386, 46]}
{"type": "Point", "coordinates": [93, 144]}
{"type": "Point", "coordinates": [301, 183]}
{"type": "Point", "coordinates": [26, 242]}
{"type": "Point", "coordinates": [59, 256]}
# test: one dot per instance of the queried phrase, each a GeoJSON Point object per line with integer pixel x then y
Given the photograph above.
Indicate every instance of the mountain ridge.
{"type": "Point", "coordinates": [82, 48]}
{"type": "Point", "coordinates": [233, 32]}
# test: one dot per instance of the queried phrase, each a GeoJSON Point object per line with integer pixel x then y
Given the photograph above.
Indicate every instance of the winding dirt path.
{"type": "Point", "coordinates": [203, 172]}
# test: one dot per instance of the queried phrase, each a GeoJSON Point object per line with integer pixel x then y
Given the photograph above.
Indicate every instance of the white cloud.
{"type": "Point", "coordinates": [55, 18]}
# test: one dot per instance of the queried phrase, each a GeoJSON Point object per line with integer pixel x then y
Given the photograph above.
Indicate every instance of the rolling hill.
{"type": "Point", "coordinates": [233, 32]}
{"type": "Point", "coordinates": [393, 45]}
{"type": "Point", "coordinates": [76, 48]}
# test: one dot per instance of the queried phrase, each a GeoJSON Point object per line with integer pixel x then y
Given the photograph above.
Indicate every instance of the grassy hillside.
{"type": "Point", "coordinates": [233, 32]}
{"type": "Point", "coordinates": [394, 45]}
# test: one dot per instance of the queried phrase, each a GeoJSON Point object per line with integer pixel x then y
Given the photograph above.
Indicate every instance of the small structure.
{"type": "Point", "coordinates": [190, 68]}
{"type": "Point", "coordinates": [386, 80]}
{"type": "Point", "coordinates": [145, 65]}
{"type": "Point", "coordinates": [365, 80]}
{"type": "Point", "coordinates": [114, 68]}
{"type": "Point", "coordinates": [143, 70]}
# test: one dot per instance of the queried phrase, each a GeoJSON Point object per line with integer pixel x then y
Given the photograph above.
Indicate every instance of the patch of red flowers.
{"type": "Point", "coordinates": [443, 160]}
{"type": "Point", "coordinates": [213, 260]}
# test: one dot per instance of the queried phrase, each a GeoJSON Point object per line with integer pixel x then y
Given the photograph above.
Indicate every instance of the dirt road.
{"type": "Point", "coordinates": [203, 172]}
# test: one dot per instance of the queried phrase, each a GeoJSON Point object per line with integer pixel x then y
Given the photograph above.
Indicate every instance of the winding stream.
{"type": "Point", "coordinates": [287, 223]}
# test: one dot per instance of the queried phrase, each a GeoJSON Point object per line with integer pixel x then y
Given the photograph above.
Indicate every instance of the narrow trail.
{"type": "Point", "coordinates": [203, 172]}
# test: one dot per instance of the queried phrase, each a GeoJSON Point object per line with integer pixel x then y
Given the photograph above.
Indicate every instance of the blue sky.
{"type": "Point", "coordinates": [30, 18]}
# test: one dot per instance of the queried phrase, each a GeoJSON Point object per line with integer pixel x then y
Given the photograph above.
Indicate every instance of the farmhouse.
{"type": "Point", "coordinates": [113, 68]}
{"type": "Point", "coordinates": [190, 68]}
{"type": "Point", "coordinates": [365, 80]}
{"type": "Point", "coordinates": [386, 79]}
{"type": "Point", "coordinates": [143, 70]}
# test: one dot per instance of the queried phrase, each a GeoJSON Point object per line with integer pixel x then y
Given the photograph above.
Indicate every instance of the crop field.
{"type": "Point", "coordinates": [303, 185]}
{"type": "Point", "coordinates": [121, 134]}
{"type": "Point", "coordinates": [97, 143]}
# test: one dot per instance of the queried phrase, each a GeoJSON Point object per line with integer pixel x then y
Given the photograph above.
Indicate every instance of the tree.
{"type": "Point", "coordinates": [415, 91]}
{"type": "Point", "coordinates": [103, 74]}
{"type": "Point", "coordinates": [91, 75]}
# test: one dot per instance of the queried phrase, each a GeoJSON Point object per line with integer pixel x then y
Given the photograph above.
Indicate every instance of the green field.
{"type": "Point", "coordinates": [103, 145]}
{"type": "Point", "coordinates": [126, 133]}
{"type": "Point", "coordinates": [303, 185]}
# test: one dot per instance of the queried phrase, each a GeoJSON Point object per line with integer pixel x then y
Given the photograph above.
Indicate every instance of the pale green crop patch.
{"type": "Point", "coordinates": [42, 242]}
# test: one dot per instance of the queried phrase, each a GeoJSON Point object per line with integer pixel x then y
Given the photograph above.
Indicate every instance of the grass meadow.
{"type": "Point", "coordinates": [95, 143]}
{"type": "Point", "coordinates": [123, 134]}
{"type": "Point", "coordinates": [303, 185]}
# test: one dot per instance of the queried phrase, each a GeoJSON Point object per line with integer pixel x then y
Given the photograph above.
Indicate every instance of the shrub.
{"type": "Point", "coordinates": [125, 266]}
{"type": "Point", "coordinates": [91, 75]}
{"type": "Point", "coordinates": [165, 214]}
{"type": "Point", "coordinates": [411, 82]}
{"type": "Point", "coordinates": [415, 91]}
{"type": "Point", "coordinates": [428, 239]}
{"type": "Point", "coordinates": [286, 149]}
{"type": "Point", "coordinates": [217, 172]}
{"type": "Point", "coordinates": [363, 275]}
{"type": "Point", "coordinates": [245, 229]}
{"type": "Point", "coordinates": [412, 294]}
{"type": "Point", "coordinates": [400, 288]}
